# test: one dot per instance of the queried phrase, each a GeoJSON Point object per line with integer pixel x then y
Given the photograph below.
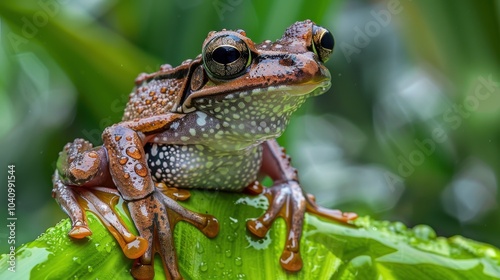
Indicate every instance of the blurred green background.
{"type": "Point", "coordinates": [409, 131]}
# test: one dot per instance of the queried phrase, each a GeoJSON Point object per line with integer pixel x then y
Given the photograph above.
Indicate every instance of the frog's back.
{"type": "Point", "coordinates": [157, 93]}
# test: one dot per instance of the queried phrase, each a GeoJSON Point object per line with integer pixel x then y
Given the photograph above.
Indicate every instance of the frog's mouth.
{"type": "Point", "coordinates": [309, 89]}
{"type": "Point", "coordinates": [258, 95]}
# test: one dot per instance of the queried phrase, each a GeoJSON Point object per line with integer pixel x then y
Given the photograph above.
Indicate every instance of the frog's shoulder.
{"type": "Point", "coordinates": [157, 93]}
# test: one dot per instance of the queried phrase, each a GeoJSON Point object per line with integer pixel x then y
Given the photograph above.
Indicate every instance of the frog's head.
{"type": "Point", "coordinates": [258, 85]}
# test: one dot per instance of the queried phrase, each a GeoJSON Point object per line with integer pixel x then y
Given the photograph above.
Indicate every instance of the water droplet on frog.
{"type": "Point", "coordinates": [77, 260]}
{"type": "Point", "coordinates": [228, 253]}
{"type": "Point", "coordinates": [141, 170]}
{"type": "Point", "coordinates": [238, 261]}
{"type": "Point", "coordinates": [133, 152]}
{"type": "Point", "coordinates": [203, 266]}
{"type": "Point", "coordinates": [90, 268]}
{"type": "Point", "coordinates": [123, 160]}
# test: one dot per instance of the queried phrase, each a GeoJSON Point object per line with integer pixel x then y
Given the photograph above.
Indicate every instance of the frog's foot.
{"type": "Point", "coordinates": [289, 202]}
{"type": "Point", "coordinates": [100, 201]}
{"type": "Point", "coordinates": [155, 217]}
{"type": "Point", "coordinates": [77, 187]}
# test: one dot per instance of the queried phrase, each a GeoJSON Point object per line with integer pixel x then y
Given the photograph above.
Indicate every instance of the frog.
{"type": "Point", "coordinates": [210, 123]}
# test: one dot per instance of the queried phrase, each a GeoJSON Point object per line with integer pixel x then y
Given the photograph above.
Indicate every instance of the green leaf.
{"type": "Point", "coordinates": [366, 250]}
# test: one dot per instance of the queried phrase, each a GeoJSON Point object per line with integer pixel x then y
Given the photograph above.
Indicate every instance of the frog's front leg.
{"type": "Point", "coordinates": [153, 211]}
{"type": "Point", "coordinates": [287, 200]}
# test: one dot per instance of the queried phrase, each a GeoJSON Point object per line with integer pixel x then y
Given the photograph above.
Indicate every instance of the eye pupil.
{"type": "Point", "coordinates": [225, 54]}
{"type": "Point", "coordinates": [327, 41]}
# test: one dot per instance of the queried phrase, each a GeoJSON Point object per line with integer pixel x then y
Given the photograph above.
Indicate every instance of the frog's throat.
{"type": "Point", "coordinates": [311, 89]}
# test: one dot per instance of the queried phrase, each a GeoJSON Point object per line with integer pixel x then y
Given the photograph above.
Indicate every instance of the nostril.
{"type": "Point", "coordinates": [287, 62]}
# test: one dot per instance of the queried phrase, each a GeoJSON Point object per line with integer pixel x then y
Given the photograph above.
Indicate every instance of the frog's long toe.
{"type": "Point", "coordinates": [155, 218]}
{"type": "Point", "coordinates": [332, 214]}
{"type": "Point", "coordinates": [207, 224]}
{"type": "Point", "coordinates": [100, 201]}
{"type": "Point", "coordinates": [65, 196]}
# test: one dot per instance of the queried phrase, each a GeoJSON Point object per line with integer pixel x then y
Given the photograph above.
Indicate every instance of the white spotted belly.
{"type": "Point", "coordinates": [197, 166]}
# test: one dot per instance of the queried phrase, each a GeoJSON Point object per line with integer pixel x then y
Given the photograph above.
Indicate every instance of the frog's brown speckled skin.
{"type": "Point", "coordinates": [209, 123]}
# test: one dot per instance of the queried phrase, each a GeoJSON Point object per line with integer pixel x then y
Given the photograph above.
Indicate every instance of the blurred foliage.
{"type": "Point", "coordinates": [409, 131]}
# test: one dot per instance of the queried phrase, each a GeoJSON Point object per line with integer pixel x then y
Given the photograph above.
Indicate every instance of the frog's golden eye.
{"type": "Point", "coordinates": [226, 56]}
{"type": "Point", "coordinates": [323, 43]}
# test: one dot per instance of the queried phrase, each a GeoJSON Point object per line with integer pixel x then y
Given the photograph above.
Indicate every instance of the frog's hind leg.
{"type": "Point", "coordinates": [287, 200]}
{"type": "Point", "coordinates": [80, 183]}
